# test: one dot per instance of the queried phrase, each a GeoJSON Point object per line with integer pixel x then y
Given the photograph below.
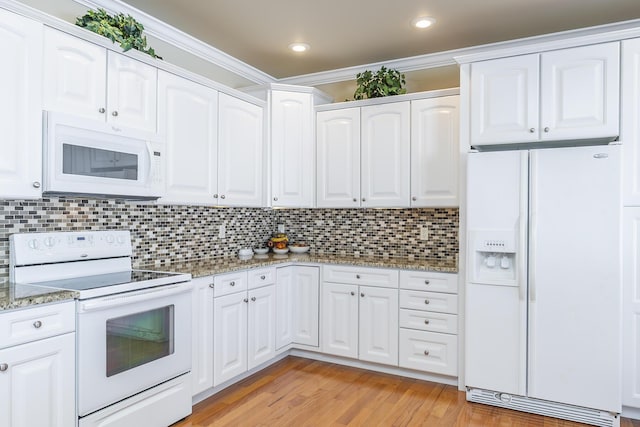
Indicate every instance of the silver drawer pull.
{"type": "Point", "coordinates": [114, 114]}
{"type": "Point", "coordinates": [352, 293]}
{"type": "Point", "coordinates": [426, 352]}
{"type": "Point", "coordinates": [362, 294]}
{"type": "Point", "coordinates": [253, 298]}
{"type": "Point", "coordinates": [37, 324]}
{"type": "Point", "coordinates": [426, 321]}
{"type": "Point", "coordinates": [245, 300]}
{"type": "Point", "coordinates": [232, 283]}
{"type": "Point", "coordinates": [426, 301]}
{"type": "Point", "coordinates": [426, 282]}
{"type": "Point", "coordinates": [211, 285]}
{"type": "Point", "coordinates": [263, 277]}
{"type": "Point", "coordinates": [3, 367]}
{"type": "Point", "coordinates": [357, 276]}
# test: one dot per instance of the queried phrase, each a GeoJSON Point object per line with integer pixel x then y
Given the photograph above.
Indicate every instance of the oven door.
{"type": "Point", "coordinates": [130, 342]}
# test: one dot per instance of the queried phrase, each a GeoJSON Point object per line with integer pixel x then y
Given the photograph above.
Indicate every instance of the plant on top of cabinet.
{"type": "Point", "coordinates": [119, 28]}
{"type": "Point", "coordinates": [385, 82]}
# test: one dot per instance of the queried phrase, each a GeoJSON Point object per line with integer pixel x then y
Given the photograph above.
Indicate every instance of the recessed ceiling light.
{"type": "Point", "coordinates": [423, 22]}
{"type": "Point", "coordinates": [299, 47]}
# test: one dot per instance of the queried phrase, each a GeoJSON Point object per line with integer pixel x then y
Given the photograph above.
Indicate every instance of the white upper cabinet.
{"type": "Point", "coordinates": [566, 94]}
{"type": "Point", "coordinates": [240, 152]}
{"type": "Point", "coordinates": [188, 114]}
{"type": "Point", "coordinates": [338, 148]}
{"type": "Point", "coordinates": [630, 130]}
{"type": "Point", "coordinates": [20, 107]}
{"type": "Point", "coordinates": [76, 81]}
{"type": "Point", "coordinates": [292, 149]}
{"type": "Point", "coordinates": [434, 151]}
{"type": "Point", "coordinates": [385, 155]}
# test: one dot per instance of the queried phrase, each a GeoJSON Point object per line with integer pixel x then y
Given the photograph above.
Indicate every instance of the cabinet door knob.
{"type": "Point", "coordinates": [114, 113]}
{"type": "Point", "coordinates": [426, 282]}
{"type": "Point", "coordinates": [36, 184]}
{"type": "Point", "coordinates": [3, 367]}
{"type": "Point", "coordinates": [275, 199]}
{"type": "Point", "coordinates": [211, 285]}
{"type": "Point", "coordinates": [215, 196]}
{"type": "Point", "coordinates": [364, 200]}
{"type": "Point", "coordinates": [426, 301]}
{"type": "Point", "coordinates": [426, 352]}
{"type": "Point", "coordinates": [352, 293]}
{"type": "Point", "coordinates": [222, 197]}
{"type": "Point", "coordinates": [37, 324]}
{"type": "Point", "coordinates": [546, 129]}
{"type": "Point", "coordinates": [357, 276]}
{"type": "Point", "coordinates": [426, 321]}
{"type": "Point", "coordinates": [414, 198]}
{"type": "Point", "coordinates": [355, 200]}
{"type": "Point", "coordinates": [532, 130]}
{"type": "Point", "coordinates": [362, 294]}
{"type": "Point", "coordinates": [253, 298]}
{"type": "Point", "coordinates": [232, 283]}
{"type": "Point", "coordinates": [246, 300]}
{"type": "Point", "coordinates": [101, 110]}
{"type": "Point", "coordinates": [263, 277]}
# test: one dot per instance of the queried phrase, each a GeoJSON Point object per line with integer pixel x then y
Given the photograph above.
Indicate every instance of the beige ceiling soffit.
{"type": "Point", "coordinates": [165, 32]}
{"type": "Point", "coordinates": [584, 36]}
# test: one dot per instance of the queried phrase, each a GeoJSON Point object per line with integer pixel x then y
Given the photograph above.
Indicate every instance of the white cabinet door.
{"type": "Point", "coordinates": [132, 92]}
{"type": "Point", "coordinates": [378, 337]}
{"type": "Point", "coordinates": [230, 337]}
{"type": "Point", "coordinates": [630, 117]}
{"type": "Point", "coordinates": [340, 319]}
{"type": "Point", "coordinates": [75, 75]}
{"type": "Point", "coordinates": [306, 302]}
{"type": "Point", "coordinates": [504, 100]}
{"type": "Point", "coordinates": [338, 150]}
{"type": "Point", "coordinates": [385, 152]}
{"type": "Point", "coordinates": [240, 152]}
{"type": "Point", "coordinates": [292, 150]}
{"type": "Point", "coordinates": [38, 386]}
{"type": "Point", "coordinates": [188, 117]}
{"type": "Point", "coordinates": [284, 306]}
{"type": "Point", "coordinates": [580, 92]}
{"type": "Point", "coordinates": [262, 325]}
{"type": "Point", "coordinates": [201, 334]}
{"type": "Point", "coordinates": [434, 152]}
{"type": "Point", "coordinates": [20, 107]}
{"type": "Point", "coordinates": [631, 308]}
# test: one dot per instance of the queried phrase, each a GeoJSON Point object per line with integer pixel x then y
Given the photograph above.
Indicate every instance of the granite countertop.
{"type": "Point", "coordinates": [209, 267]}
{"type": "Point", "coordinates": [17, 295]}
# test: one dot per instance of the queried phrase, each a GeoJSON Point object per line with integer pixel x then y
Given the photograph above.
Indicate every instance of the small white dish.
{"type": "Point", "coordinates": [299, 249]}
{"type": "Point", "coordinates": [280, 251]}
{"type": "Point", "coordinates": [245, 252]}
{"type": "Point", "coordinates": [261, 251]}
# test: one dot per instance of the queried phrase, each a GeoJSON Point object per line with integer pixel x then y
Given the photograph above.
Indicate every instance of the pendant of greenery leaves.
{"type": "Point", "coordinates": [121, 29]}
{"type": "Point", "coordinates": [384, 82]}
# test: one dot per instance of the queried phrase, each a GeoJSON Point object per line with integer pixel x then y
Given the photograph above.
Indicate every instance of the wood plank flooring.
{"type": "Point", "coordinates": [302, 392]}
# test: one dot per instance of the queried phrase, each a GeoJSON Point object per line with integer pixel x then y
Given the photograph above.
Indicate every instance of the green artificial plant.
{"type": "Point", "coordinates": [121, 29]}
{"type": "Point", "coordinates": [384, 82]}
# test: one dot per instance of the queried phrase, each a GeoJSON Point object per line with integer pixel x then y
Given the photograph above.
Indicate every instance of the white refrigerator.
{"type": "Point", "coordinates": [543, 291]}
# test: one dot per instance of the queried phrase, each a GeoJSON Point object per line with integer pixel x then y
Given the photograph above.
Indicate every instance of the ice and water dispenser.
{"type": "Point", "coordinates": [493, 257]}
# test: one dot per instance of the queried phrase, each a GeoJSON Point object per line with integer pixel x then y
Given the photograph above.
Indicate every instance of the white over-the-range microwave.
{"type": "Point", "coordinates": [89, 157]}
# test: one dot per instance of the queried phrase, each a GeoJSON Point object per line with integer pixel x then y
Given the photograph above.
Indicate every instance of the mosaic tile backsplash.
{"type": "Point", "coordinates": [163, 234]}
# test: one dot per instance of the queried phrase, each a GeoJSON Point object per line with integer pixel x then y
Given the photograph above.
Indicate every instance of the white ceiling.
{"type": "Point", "coordinates": [345, 33]}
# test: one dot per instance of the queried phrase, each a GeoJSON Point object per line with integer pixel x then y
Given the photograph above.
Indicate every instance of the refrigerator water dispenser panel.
{"type": "Point", "coordinates": [493, 256]}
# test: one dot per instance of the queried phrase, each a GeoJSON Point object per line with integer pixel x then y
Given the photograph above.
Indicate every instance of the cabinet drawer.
{"type": "Point", "coordinates": [429, 301]}
{"type": "Point", "coordinates": [429, 281]}
{"type": "Point", "coordinates": [261, 277]}
{"type": "Point", "coordinates": [429, 321]}
{"type": "Point", "coordinates": [229, 283]}
{"type": "Point", "coordinates": [30, 324]}
{"type": "Point", "coordinates": [360, 276]}
{"type": "Point", "coordinates": [429, 352]}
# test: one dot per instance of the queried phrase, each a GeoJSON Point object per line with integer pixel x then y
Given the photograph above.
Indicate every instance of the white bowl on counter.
{"type": "Point", "coordinates": [261, 251]}
{"type": "Point", "coordinates": [299, 249]}
{"type": "Point", "coordinates": [245, 252]}
{"type": "Point", "coordinates": [280, 251]}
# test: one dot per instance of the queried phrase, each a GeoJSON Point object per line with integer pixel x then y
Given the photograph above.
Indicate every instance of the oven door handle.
{"type": "Point", "coordinates": [133, 297]}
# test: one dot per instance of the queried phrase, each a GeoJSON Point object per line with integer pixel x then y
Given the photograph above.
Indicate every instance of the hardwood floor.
{"type": "Point", "coordinates": [302, 392]}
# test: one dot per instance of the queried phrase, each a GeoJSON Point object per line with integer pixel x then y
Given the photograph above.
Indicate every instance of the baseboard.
{"type": "Point", "coordinates": [631, 412]}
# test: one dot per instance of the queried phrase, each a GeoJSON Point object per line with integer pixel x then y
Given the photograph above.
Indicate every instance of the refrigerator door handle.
{"type": "Point", "coordinates": [522, 228]}
{"type": "Point", "coordinates": [533, 224]}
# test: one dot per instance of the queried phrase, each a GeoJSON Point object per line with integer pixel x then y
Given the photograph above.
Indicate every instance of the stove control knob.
{"type": "Point", "coordinates": [110, 239]}
{"type": "Point", "coordinates": [49, 242]}
{"type": "Point", "coordinates": [33, 244]}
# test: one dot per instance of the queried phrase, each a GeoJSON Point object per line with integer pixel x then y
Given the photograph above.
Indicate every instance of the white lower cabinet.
{"type": "Point", "coordinates": [360, 321]}
{"type": "Point", "coordinates": [428, 338]}
{"type": "Point", "coordinates": [38, 378]}
{"type": "Point", "coordinates": [244, 322]}
{"type": "Point", "coordinates": [297, 306]}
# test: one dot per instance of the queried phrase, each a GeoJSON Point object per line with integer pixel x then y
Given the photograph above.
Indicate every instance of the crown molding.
{"type": "Point", "coordinates": [169, 34]}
